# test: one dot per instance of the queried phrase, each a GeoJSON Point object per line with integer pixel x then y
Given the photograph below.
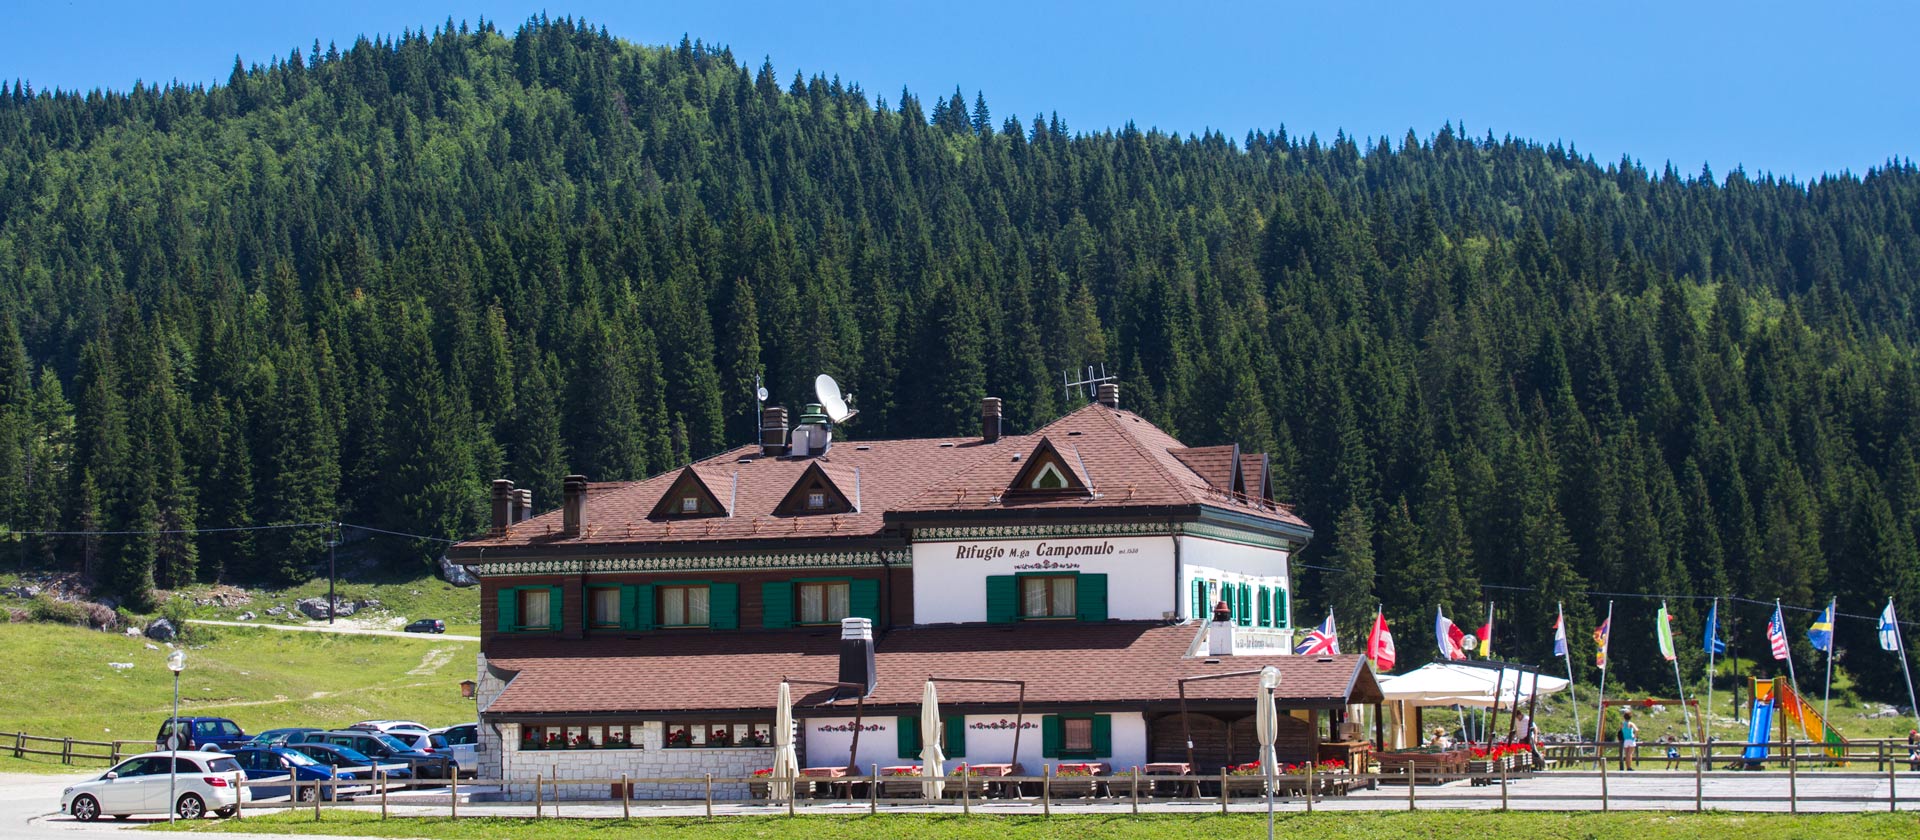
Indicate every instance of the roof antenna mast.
{"type": "Point", "coordinates": [1089, 385]}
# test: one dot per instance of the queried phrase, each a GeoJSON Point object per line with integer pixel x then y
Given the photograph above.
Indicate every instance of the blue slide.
{"type": "Point", "coordinates": [1762, 720]}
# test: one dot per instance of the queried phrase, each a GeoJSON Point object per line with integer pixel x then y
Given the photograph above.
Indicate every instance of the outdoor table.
{"type": "Point", "coordinates": [835, 776]}
{"type": "Point", "coordinates": [1167, 768]}
{"type": "Point", "coordinates": [990, 770]}
{"type": "Point", "coordinates": [901, 781]}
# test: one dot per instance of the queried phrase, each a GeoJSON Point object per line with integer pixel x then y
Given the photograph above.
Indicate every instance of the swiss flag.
{"type": "Point", "coordinates": [1380, 644]}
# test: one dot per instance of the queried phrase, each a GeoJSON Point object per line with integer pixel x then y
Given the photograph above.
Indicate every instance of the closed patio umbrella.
{"type": "Point", "coordinates": [932, 761]}
{"type": "Point", "coordinates": [1266, 724]}
{"type": "Point", "coordinates": [786, 764]}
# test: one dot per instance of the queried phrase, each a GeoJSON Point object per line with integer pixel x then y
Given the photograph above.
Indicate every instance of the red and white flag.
{"type": "Point", "coordinates": [1452, 640]}
{"type": "Point", "coordinates": [1777, 634]}
{"type": "Point", "coordinates": [1380, 644]}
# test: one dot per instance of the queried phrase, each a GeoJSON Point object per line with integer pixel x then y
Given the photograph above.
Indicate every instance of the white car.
{"type": "Point", "coordinates": [461, 742]}
{"type": "Point", "coordinates": [202, 783]}
{"type": "Point", "coordinates": [389, 725]}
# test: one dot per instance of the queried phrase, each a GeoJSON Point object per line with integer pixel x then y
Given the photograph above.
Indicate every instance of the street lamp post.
{"type": "Point", "coordinates": [176, 662]}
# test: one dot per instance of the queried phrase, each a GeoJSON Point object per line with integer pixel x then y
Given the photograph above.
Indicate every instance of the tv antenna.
{"type": "Point", "coordinates": [1088, 385]}
{"type": "Point", "coordinates": [828, 392]}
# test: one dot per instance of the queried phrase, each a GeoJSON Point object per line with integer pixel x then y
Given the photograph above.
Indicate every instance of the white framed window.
{"type": "Point", "coordinates": [684, 606]}
{"type": "Point", "coordinates": [816, 499]}
{"type": "Point", "coordinates": [1047, 596]}
{"type": "Point", "coordinates": [534, 608]}
{"type": "Point", "coordinates": [689, 504]}
{"type": "Point", "coordinates": [824, 602]}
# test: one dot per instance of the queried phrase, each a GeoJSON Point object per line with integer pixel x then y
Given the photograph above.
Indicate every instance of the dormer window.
{"type": "Point", "coordinates": [1049, 478]}
{"type": "Point", "coordinates": [821, 489]}
{"type": "Point", "coordinates": [1049, 472]}
{"type": "Point", "coordinates": [689, 497]}
{"type": "Point", "coordinates": [689, 504]}
{"type": "Point", "coordinates": [816, 500]}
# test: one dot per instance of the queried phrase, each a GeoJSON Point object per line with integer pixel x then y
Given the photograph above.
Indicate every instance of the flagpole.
{"type": "Point", "coordinates": [1713, 635]}
{"type": "Point", "coordinates": [1573, 699]}
{"type": "Point", "coordinates": [1677, 685]}
{"type": "Point", "coordinates": [1793, 680]}
{"type": "Point", "coordinates": [1826, 699]}
{"type": "Point", "coordinates": [1600, 709]}
{"type": "Point", "coordinates": [1900, 645]}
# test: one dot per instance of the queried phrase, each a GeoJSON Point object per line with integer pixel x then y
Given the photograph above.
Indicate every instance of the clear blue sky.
{"type": "Point", "coordinates": [1797, 89]}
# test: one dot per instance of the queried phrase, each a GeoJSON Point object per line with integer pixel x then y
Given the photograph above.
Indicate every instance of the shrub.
{"type": "Point", "coordinates": [47, 610]}
{"type": "Point", "coordinates": [99, 616]}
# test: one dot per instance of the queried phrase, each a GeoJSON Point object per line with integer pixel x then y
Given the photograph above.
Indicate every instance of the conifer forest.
{"type": "Point", "coordinates": [356, 282]}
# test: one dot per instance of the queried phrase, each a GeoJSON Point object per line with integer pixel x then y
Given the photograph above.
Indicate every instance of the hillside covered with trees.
{"type": "Point", "coordinates": [354, 284]}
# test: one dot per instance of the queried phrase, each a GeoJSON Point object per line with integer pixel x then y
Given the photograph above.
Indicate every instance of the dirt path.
{"type": "Point", "coordinates": [338, 628]}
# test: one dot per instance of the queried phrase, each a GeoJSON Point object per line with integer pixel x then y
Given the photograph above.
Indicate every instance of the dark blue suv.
{"type": "Point", "coordinates": [213, 734]}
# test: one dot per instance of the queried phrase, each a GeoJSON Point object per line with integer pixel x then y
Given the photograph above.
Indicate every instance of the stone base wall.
{"type": "Point", "coordinates": [487, 688]}
{"type": "Point", "coordinates": [737, 762]}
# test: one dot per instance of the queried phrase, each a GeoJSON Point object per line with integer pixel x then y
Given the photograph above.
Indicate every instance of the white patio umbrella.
{"type": "Point", "coordinates": [933, 762]}
{"type": "Point", "coordinates": [786, 764]}
{"type": "Point", "coordinates": [1266, 724]}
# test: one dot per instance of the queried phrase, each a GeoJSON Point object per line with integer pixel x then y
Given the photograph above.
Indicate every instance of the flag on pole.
{"type": "Point", "coordinates": [1600, 635]}
{"type": "Point", "coordinates": [1320, 640]}
{"type": "Point", "coordinates": [1714, 644]}
{"type": "Point", "coordinates": [1663, 630]}
{"type": "Point", "coordinates": [1380, 644]}
{"type": "Point", "coordinates": [1777, 633]}
{"type": "Point", "coordinates": [1453, 642]}
{"type": "Point", "coordinates": [1560, 634]}
{"type": "Point", "coordinates": [1486, 635]}
{"type": "Point", "coordinates": [1889, 629]}
{"type": "Point", "coordinates": [1821, 633]}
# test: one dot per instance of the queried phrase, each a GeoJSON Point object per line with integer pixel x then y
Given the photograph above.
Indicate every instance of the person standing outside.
{"type": "Point", "coordinates": [1629, 742]}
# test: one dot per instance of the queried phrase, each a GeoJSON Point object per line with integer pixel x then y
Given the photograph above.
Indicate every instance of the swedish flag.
{"type": "Point", "coordinates": [1821, 633]}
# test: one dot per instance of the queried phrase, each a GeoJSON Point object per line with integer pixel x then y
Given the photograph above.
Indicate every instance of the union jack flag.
{"type": "Point", "coordinates": [1320, 639]}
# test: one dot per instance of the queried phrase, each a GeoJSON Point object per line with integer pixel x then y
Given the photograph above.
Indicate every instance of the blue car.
{"type": "Point", "coordinates": [348, 760]}
{"type": "Point", "coordinates": [283, 763]}
{"type": "Point", "coordinates": [279, 737]}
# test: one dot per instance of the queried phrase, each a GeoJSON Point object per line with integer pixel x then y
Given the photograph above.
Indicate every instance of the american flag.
{"type": "Point", "coordinates": [1777, 633]}
{"type": "Point", "coordinates": [1320, 640]}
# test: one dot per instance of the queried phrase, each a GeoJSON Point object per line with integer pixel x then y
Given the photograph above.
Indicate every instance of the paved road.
{"type": "Point", "coordinates": [338, 628]}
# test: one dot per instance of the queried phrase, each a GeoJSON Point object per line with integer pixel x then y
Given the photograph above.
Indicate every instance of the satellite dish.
{"type": "Point", "coordinates": [828, 391]}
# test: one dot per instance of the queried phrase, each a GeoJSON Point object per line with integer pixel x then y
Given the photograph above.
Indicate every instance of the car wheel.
{"type": "Point", "coordinates": [190, 807]}
{"type": "Point", "coordinates": [85, 808]}
{"type": "Point", "coordinates": [224, 813]}
{"type": "Point", "coordinates": [303, 794]}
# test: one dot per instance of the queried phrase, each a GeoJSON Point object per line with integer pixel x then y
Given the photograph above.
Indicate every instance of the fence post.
{"type": "Point", "coordinates": [1413, 783]}
{"type": "Point", "coordinates": [966, 790]}
{"type": "Point", "coordinates": [1046, 793]}
{"type": "Point", "coordinates": [553, 772]}
{"type": "Point", "coordinates": [709, 796]}
{"type": "Point", "coordinates": [1699, 782]}
{"type": "Point", "coordinates": [20, 745]}
{"type": "Point", "coordinates": [1135, 789]}
{"type": "Point", "coordinates": [381, 775]}
{"type": "Point", "coordinates": [316, 800]}
{"type": "Point", "coordinates": [1310, 784]}
{"type": "Point", "coordinates": [1503, 783]}
{"type": "Point", "coordinates": [239, 796]}
{"type": "Point", "coordinates": [1793, 776]}
{"type": "Point", "coordinates": [1602, 756]}
{"type": "Point", "coordinates": [626, 798]}
{"type": "Point", "coordinates": [793, 788]}
{"type": "Point", "coordinates": [1892, 801]}
{"type": "Point", "coordinates": [538, 788]}
{"type": "Point", "coordinates": [453, 791]}
{"type": "Point", "coordinates": [1224, 797]}
{"type": "Point", "coordinates": [66, 752]}
{"type": "Point", "coordinates": [1879, 754]}
{"type": "Point", "coordinates": [873, 791]}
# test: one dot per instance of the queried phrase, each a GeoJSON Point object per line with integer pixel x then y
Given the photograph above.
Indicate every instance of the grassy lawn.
{"type": "Point", "coordinates": [60, 683]}
{"type": "Point", "coordinates": [1358, 826]}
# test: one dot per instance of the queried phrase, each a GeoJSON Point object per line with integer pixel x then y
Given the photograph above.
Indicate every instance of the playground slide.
{"type": "Point", "coordinates": [1762, 723]}
{"type": "Point", "coordinates": [1799, 711]}
{"type": "Point", "coordinates": [1777, 695]}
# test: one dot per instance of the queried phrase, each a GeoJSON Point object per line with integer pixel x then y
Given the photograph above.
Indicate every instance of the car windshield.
{"type": "Point", "coordinates": [297, 759]}
{"type": "Point", "coordinates": [353, 755]}
{"type": "Point", "coordinates": [222, 765]}
{"type": "Point", "coordinates": [393, 743]}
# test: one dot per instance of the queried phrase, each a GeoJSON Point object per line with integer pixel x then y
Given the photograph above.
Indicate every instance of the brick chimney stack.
{"type": "Point", "coordinates": [1110, 394]}
{"type": "Point", "coordinates": [990, 419]}
{"type": "Point", "coordinates": [573, 505]}
{"type": "Point", "coordinates": [503, 499]}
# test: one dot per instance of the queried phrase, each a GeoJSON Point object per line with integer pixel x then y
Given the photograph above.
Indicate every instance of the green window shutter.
{"type": "Point", "coordinates": [509, 614]}
{"type": "Point", "coordinates": [863, 599]}
{"type": "Point", "coordinates": [723, 604]}
{"type": "Point", "coordinates": [1090, 597]}
{"type": "Point", "coordinates": [1246, 605]}
{"type": "Point", "coordinates": [776, 605]}
{"type": "Point", "coordinates": [1200, 599]}
{"type": "Point", "coordinates": [1003, 599]}
{"type": "Point", "coordinates": [1102, 735]}
{"type": "Point", "coordinates": [1050, 736]}
{"type": "Point", "coordinates": [629, 607]}
{"type": "Point", "coordinates": [556, 609]}
{"type": "Point", "coordinates": [955, 727]}
{"type": "Point", "coordinates": [1266, 608]}
{"type": "Point", "coordinates": [643, 606]}
{"type": "Point", "coordinates": [1281, 617]}
{"type": "Point", "coordinates": [907, 729]}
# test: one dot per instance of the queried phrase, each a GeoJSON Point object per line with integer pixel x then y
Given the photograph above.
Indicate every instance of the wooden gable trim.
{"type": "Point", "coordinates": [1046, 459]}
{"type": "Point", "coordinates": [688, 485]}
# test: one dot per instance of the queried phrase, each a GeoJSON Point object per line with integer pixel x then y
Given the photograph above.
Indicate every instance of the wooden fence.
{"type": "Point", "coordinates": [25, 745]}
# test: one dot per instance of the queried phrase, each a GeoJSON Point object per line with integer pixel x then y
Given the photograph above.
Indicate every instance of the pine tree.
{"type": "Point", "coordinates": [1349, 591]}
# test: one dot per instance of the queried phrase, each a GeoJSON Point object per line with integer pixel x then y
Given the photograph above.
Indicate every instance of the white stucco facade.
{"type": "Point", "coordinates": [989, 741]}
{"type": "Point", "coordinates": [950, 577]}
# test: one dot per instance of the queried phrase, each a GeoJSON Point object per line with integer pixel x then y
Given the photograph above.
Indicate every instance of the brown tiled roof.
{"type": "Point", "coordinates": [1078, 664]}
{"type": "Point", "coordinates": [1128, 462]}
{"type": "Point", "coordinates": [1215, 464]}
{"type": "Point", "coordinates": [1253, 475]}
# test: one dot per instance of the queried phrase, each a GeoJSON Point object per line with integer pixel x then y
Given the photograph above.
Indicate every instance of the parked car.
{"type": "Point", "coordinates": [284, 763]}
{"type": "Point", "coordinates": [415, 739]}
{"type": "Point", "coordinates": [279, 737]}
{"type": "Point", "coordinates": [427, 625]}
{"type": "Point", "coordinates": [202, 783]}
{"type": "Point", "coordinates": [385, 725]}
{"type": "Point", "coordinates": [384, 748]}
{"type": "Point", "coordinates": [460, 743]}
{"type": "Point", "coordinates": [348, 760]}
{"type": "Point", "coordinates": [201, 733]}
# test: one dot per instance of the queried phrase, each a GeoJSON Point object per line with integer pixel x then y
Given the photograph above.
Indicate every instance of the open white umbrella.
{"type": "Point", "coordinates": [786, 764]}
{"type": "Point", "coordinates": [933, 762]}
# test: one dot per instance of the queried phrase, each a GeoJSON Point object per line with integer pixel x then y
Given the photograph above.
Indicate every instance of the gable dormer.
{"type": "Point", "coordinates": [688, 498]}
{"type": "Point", "coordinates": [1049, 472]}
{"type": "Point", "coordinates": [823, 488]}
{"type": "Point", "coordinates": [1218, 466]}
{"type": "Point", "coordinates": [1254, 476]}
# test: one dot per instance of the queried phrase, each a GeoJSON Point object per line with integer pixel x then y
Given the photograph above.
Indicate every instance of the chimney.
{"type": "Point", "coordinates": [522, 505]}
{"type": "Point", "coordinates": [1110, 394]}
{"type": "Point", "coordinates": [856, 654]}
{"type": "Point", "coordinates": [773, 431]}
{"type": "Point", "coordinates": [990, 419]}
{"type": "Point", "coordinates": [1220, 632]}
{"type": "Point", "coordinates": [573, 504]}
{"type": "Point", "coordinates": [503, 498]}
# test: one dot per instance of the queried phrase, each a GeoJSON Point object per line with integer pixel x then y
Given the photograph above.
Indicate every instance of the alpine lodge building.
{"type": "Point", "coordinates": [1060, 585]}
